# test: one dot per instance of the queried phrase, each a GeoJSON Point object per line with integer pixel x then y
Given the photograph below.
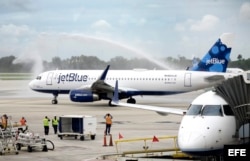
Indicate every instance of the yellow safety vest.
{"type": "Point", "coordinates": [54, 122]}
{"type": "Point", "coordinates": [45, 122]}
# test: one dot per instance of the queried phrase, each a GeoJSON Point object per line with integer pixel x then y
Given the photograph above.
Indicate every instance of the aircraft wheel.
{"type": "Point", "coordinates": [18, 146]}
{"type": "Point", "coordinates": [82, 138]}
{"type": "Point", "coordinates": [29, 149]}
{"type": "Point", "coordinates": [131, 100]}
{"type": "Point", "coordinates": [110, 104]}
{"type": "Point", "coordinates": [92, 137]}
{"type": "Point", "coordinates": [54, 101]}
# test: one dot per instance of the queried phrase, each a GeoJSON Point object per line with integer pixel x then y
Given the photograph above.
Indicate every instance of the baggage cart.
{"type": "Point", "coordinates": [77, 126]}
{"type": "Point", "coordinates": [8, 137]}
{"type": "Point", "coordinates": [33, 141]}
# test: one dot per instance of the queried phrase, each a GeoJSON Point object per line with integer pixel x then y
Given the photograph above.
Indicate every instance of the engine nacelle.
{"type": "Point", "coordinates": [80, 95]}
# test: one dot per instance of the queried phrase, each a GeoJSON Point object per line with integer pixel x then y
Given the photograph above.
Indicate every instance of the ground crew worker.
{"type": "Point", "coordinates": [55, 124]}
{"type": "Point", "coordinates": [46, 121]}
{"type": "Point", "coordinates": [4, 121]}
{"type": "Point", "coordinates": [23, 121]}
{"type": "Point", "coordinates": [108, 119]}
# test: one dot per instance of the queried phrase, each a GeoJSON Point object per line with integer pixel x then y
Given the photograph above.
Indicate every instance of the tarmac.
{"type": "Point", "coordinates": [17, 100]}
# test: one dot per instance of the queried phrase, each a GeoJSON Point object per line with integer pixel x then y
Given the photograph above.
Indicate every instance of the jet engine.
{"type": "Point", "coordinates": [80, 95]}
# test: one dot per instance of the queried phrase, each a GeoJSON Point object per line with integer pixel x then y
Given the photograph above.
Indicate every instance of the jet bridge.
{"type": "Point", "coordinates": [236, 91]}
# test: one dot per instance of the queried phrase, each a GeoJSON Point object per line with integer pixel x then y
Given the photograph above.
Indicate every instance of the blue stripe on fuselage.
{"type": "Point", "coordinates": [128, 93]}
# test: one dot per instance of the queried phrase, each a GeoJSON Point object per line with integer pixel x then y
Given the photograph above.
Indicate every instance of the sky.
{"type": "Point", "coordinates": [154, 29]}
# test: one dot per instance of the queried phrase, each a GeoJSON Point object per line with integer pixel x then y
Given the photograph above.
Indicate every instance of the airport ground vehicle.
{"type": "Point", "coordinates": [77, 125]}
{"type": "Point", "coordinates": [33, 141]}
{"type": "Point", "coordinates": [7, 140]}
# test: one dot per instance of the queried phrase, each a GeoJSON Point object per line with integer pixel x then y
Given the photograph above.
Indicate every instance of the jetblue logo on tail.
{"type": "Point", "coordinates": [216, 60]}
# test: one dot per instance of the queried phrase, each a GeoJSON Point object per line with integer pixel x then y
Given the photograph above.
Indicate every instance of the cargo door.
{"type": "Point", "coordinates": [77, 125]}
{"type": "Point", "coordinates": [187, 80]}
{"type": "Point", "coordinates": [49, 78]}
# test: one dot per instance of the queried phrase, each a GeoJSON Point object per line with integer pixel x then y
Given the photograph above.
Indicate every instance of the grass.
{"type": "Point", "coordinates": [16, 76]}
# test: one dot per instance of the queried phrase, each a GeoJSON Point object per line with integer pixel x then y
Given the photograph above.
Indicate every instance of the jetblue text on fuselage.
{"type": "Point", "coordinates": [71, 77]}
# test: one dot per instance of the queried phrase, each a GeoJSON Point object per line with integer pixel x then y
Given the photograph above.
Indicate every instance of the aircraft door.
{"type": "Point", "coordinates": [187, 80]}
{"type": "Point", "coordinates": [49, 78]}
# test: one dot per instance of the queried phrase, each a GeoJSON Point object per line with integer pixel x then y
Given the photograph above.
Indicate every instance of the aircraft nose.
{"type": "Point", "coordinates": [191, 141]}
{"type": "Point", "coordinates": [31, 84]}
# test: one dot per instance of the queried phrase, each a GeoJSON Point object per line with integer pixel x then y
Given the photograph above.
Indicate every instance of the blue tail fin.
{"type": "Point", "coordinates": [217, 58]}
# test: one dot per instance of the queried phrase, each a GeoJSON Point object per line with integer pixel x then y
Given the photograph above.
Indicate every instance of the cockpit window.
{"type": "Point", "coordinates": [194, 110]}
{"type": "Point", "coordinates": [227, 110]}
{"type": "Point", "coordinates": [212, 110]}
{"type": "Point", "coordinates": [38, 77]}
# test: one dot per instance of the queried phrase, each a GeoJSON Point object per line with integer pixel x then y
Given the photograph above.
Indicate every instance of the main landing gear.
{"type": "Point", "coordinates": [54, 101]}
{"type": "Point", "coordinates": [131, 100]}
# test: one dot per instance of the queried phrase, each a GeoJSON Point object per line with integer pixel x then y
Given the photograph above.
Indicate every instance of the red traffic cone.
{"type": "Point", "coordinates": [104, 141]}
{"type": "Point", "coordinates": [155, 139]}
{"type": "Point", "coordinates": [120, 136]}
{"type": "Point", "coordinates": [110, 141]}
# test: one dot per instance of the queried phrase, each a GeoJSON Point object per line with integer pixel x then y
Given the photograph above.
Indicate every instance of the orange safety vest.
{"type": "Point", "coordinates": [23, 121]}
{"type": "Point", "coordinates": [108, 120]}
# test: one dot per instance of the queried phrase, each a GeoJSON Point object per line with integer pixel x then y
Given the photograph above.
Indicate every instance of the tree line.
{"type": "Point", "coordinates": [7, 64]}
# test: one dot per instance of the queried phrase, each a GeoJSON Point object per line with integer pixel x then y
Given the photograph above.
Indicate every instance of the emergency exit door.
{"type": "Point", "coordinates": [187, 80]}
{"type": "Point", "coordinates": [49, 78]}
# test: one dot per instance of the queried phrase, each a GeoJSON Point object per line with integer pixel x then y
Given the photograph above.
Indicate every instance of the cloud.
{"type": "Point", "coordinates": [101, 24]}
{"type": "Point", "coordinates": [245, 11]}
{"type": "Point", "coordinates": [14, 37]}
{"type": "Point", "coordinates": [15, 31]}
{"type": "Point", "coordinates": [208, 22]}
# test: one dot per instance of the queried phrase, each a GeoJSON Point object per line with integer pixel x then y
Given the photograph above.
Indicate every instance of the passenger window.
{"type": "Point", "coordinates": [211, 110]}
{"type": "Point", "coordinates": [194, 110]}
{"type": "Point", "coordinates": [228, 110]}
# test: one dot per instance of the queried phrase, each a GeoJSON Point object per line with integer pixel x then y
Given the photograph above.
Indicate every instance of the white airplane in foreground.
{"type": "Point", "coordinates": [206, 126]}
{"type": "Point", "coordinates": [94, 85]}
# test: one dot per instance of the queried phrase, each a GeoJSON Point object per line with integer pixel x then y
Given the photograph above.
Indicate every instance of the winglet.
{"type": "Point", "coordinates": [115, 99]}
{"type": "Point", "coordinates": [104, 74]}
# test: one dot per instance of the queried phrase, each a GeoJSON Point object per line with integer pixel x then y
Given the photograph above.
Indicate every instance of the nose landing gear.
{"type": "Point", "coordinates": [54, 101]}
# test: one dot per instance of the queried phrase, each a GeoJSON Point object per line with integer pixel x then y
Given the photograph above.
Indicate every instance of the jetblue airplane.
{"type": "Point", "coordinates": [207, 125]}
{"type": "Point", "coordinates": [94, 85]}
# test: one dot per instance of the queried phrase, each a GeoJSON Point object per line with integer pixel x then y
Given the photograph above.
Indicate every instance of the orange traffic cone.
{"type": "Point", "coordinates": [110, 141]}
{"type": "Point", "coordinates": [104, 141]}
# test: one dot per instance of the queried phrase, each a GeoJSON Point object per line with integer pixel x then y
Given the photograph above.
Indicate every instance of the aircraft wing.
{"type": "Point", "coordinates": [159, 110]}
{"type": "Point", "coordinates": [100, 85]}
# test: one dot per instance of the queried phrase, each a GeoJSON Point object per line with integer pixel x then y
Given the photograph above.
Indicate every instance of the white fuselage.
{"type": "Point", "coordinates": [134, 82]}
{"type": "Point", "coordinates": [205, 135]}
{"type": "Point", "coordinates": [208, 125]}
